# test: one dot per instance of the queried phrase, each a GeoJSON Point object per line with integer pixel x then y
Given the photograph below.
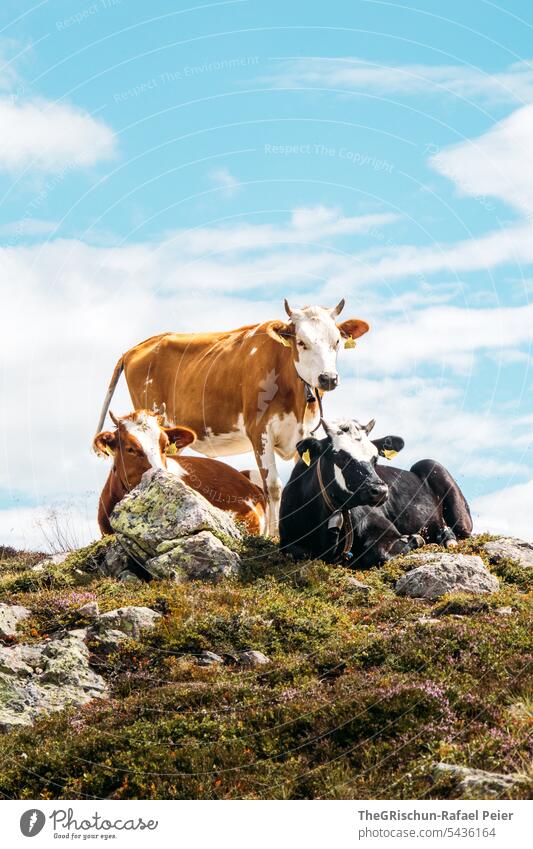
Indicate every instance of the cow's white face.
{"type": "Point", "coordinates": [350, 436]}
{"type": "Point", "coordinates": [146, 430]}
{"type": "Point", "coordinates": [317, 343]}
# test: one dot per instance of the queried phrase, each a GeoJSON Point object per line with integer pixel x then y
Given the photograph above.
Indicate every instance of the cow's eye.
{"type": "Point", "coordinates": [302, 345]}
{"type": "Point", "coordinates": [130, 450]}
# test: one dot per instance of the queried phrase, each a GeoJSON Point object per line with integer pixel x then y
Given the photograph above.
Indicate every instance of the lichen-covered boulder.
{"type": "Point", "coordinates": [129, 620]}
{"type": "Point", "coordinates": [10, 616]}
{"type": "Point", "coordinates": [512, 548]}
{"type": "Point", "coordinates": [45, 677]}
{"type": "Point", "coordinates": [478, 783]}
{"type": "Point", "coordinates": [171, 531]}
{"type": "Point", "coordinates": [439, 574]}
{"type": "Point", "coordinates": [198, 557]}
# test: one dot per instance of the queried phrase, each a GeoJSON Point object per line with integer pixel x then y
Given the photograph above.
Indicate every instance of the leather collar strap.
{"type": "Point", "coordinates": [347, 523]}
{"type": "Point", "coordinates": [310, 398]}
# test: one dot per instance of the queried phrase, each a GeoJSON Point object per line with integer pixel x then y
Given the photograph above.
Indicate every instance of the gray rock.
{"type": "Point", "coordinates": [130, 621]}
{"type": "Point", "coordinates": [127, 577]}
{"type": "Point", "coordinates": [198, 557]}
{"type": "Point", "coordinates": [356, 585]}
{"type": "Point", "coordinates": [53, 560]}
{"type": "Point", "coordinates": [209, 658]}
{"type": "Point", "coordinates": [504, 611]}
{"type": "Point", "coordinates": [115, 561]}
{"type": "Point", "coordinates": [106, 641]}
{"type": "Point", "coordinates": [253, 658]}
{"type": "Point", "coordinates": [45, 677]}
{"type": "Point", "coordinates": [10, 616]}
{"type": "Point", "coordinates": [161, 510]}
{"type": "Point", "coordinates": [478, 782]}
{"type": "Point", "coordinates": [90, 610]}
{"type": "Point", "coordinates": [172, 531]}
{"type": "Point", "coordinates": [511, 547]}
{"type": "Point", "coordinates": [439, 574]}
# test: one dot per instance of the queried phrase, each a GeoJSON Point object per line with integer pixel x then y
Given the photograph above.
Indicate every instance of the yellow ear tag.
{"type": "Point", "coordinates": [306, 457]}
{"type": "Point", "coordinates": [389, 454]}
{"type": "Point", "coordinates": [350, 343]}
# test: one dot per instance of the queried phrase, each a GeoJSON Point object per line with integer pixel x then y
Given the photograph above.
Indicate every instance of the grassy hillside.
{"type": "Point", "coordinates": [361, 698]}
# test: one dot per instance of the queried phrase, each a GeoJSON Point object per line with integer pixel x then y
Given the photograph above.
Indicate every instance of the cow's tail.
{"type": "Point", "coordinates": [119, 368]}
{"type": "Point", "coordinates": [455, 508]}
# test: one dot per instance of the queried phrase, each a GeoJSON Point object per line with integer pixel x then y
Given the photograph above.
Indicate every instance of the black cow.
{"type": "Point", "coordinates": [339, 504]}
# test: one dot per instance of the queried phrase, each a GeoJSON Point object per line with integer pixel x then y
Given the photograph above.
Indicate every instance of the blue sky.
{"type": "Point", "coordinates": [181, 167]}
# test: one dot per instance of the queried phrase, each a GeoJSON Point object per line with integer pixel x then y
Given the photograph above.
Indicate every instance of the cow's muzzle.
{"type": "Point", "coordinates": [377, 493]}
{"type": "Point", "coordinates": [328, 380]}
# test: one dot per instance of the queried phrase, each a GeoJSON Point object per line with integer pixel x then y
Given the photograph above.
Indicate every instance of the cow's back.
{"type": "Point", "coordinates": [196, 375]}
{"type": "Point", "coordinates": [410, 504]}
{"type": "Point", "coordinates": [226, 488]}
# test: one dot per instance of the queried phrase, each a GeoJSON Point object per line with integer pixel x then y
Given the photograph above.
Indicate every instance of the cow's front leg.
{"type": "Point", "coordinates": [266, 463]}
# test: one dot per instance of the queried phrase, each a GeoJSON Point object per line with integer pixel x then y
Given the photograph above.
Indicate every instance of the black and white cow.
{"type": "Point", "coordinates": [339, 504]}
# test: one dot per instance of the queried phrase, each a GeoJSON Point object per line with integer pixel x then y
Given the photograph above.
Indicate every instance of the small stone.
{"type": "Point", "coordinates": [478, 782]}
{"type": "Point", "coordinates": [504, 611]}
{"type": "Point", "coordinates": [359, 586]}
{"type": "Point", "coordinates": [10, 616]}
{"type": "Point", "coordinates": [252, 658]}
{"type": "Point", "coordinates": [90, 610]}
{"type": "Point", "coordinates": [108, 640]}
{"type": "Point", "coordinates": [428, 620]}
{"type": "Point", "coordinates": [439, 574]}
{"type": "Point", "coordinates": [130, 620]}
{"type": "Point", "coordinates": [127, 577]}
{"type": "Point", "coordinates": [200, 556]}
{"type": "Point", "coordinates": [54, 560]}
{"type": "Point", "coordinates": [209, 658]}
{"type": "Point", "coordinates": [43, 678]}
{"type": "Point", "coordinates": [510, 547]}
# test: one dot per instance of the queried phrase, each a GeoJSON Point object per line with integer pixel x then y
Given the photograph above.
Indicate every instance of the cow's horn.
{"type": "Point", "coordinates": [338, 309]}
{"type": "Point", "coordinates": [113, 418]}
{"type": "Point", "coordinates": [287, 308]}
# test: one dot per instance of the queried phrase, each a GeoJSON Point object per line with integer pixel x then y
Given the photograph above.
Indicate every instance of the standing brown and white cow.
{"type": "Point", "coordinates": [247, 389]}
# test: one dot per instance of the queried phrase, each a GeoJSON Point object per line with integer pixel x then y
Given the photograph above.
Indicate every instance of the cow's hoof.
{"type": "Point", "coordinates": [416, 541]}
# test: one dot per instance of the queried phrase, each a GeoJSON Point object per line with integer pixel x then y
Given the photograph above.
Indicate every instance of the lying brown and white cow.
{"type": "Point", "coordinates": [139, 443]}
{"type": "Point", "coordinates": [248, 389]}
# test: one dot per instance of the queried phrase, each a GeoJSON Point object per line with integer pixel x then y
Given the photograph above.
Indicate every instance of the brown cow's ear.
{"type": "Point", "coordinates": [105, 443]}
{"type": "Point", "coordinates": [280, 332]}
{"type": "Point", "coordinates": [352, 328]}
{"type": "Point", "coordinates": [180, 436]}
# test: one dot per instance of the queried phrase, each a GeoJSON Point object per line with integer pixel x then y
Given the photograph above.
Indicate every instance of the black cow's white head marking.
{"type": "Point", "coordinates": [347, 461]}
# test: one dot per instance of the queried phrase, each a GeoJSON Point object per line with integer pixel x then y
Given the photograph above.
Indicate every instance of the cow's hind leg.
{"type": "Point", "coordinates": [266, 463]}
{"type": "Point", "coordinates": [456, 516]}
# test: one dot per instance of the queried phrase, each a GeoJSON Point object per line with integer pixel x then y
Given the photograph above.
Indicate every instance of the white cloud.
{"type": "Point", "coordinates": [224, 179]}
{"type": "Point", "coordinates": [447, 335]}
{"type": "Point", "coordinates": [498, 163]}
{"type": "Point", "coordinates": [306, 226]}
{"type": "Point", "coordinates": [507, 511]}
{"type": "Point", "coordinates": [48, 136]}
{"type": "Point", "coordinates": [515, 83]}
{"type": "Point", "coordinates": [28, 227]}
